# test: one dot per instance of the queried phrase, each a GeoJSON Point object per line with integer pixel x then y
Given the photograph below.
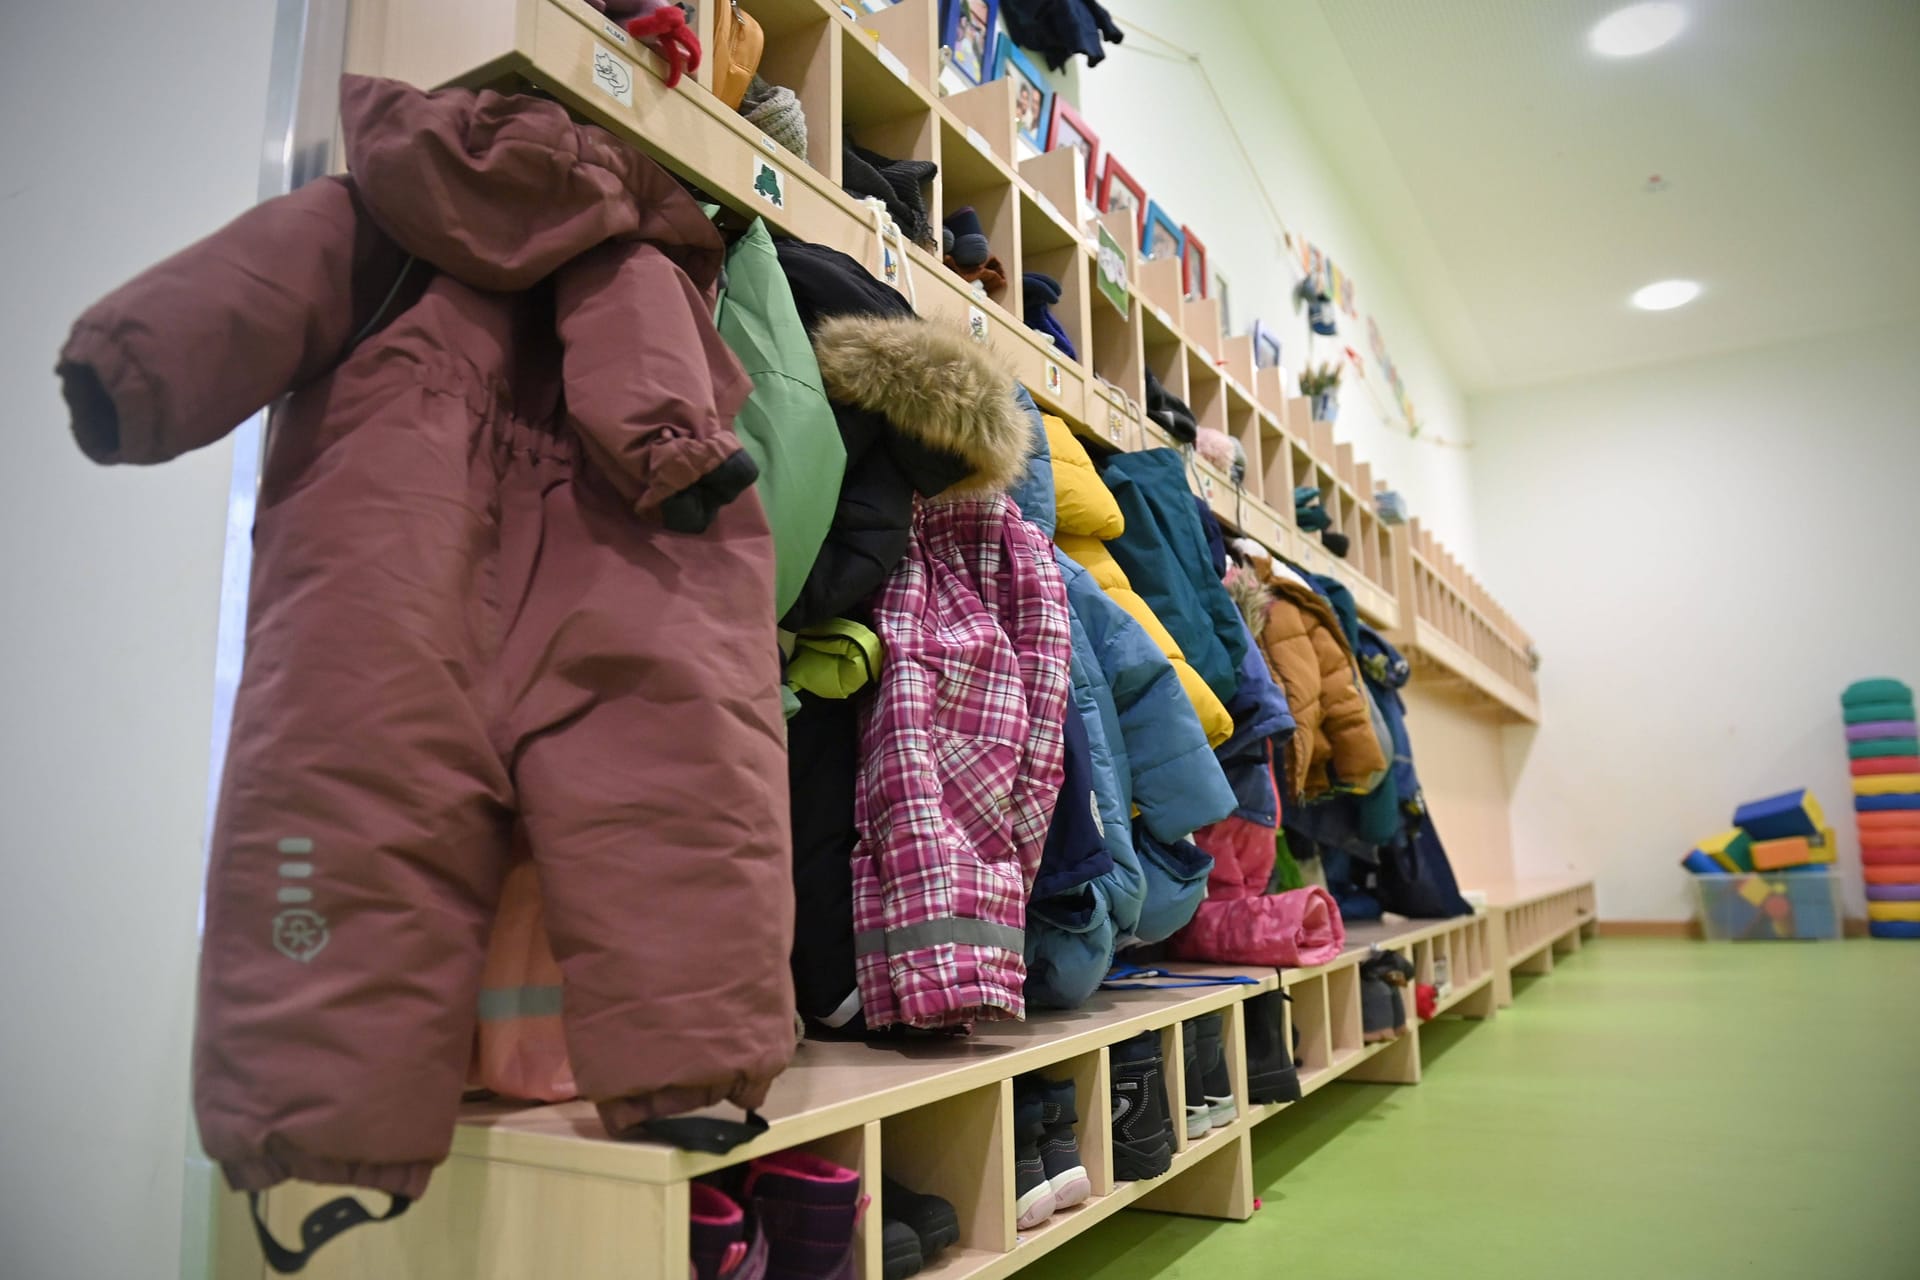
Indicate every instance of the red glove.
{"type": "Point", "coordinates": [666, 30]}
{"type": "Point", "coordinates": [1425, 997]}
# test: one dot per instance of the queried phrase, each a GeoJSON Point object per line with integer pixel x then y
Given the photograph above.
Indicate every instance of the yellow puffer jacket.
{"type": "Point", "coordinates": [1087, 518]}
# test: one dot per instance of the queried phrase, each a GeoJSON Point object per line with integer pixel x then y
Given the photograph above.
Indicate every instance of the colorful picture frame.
{"type": "Point", "coordinates": [967, 28]}
{"type": "Point", "coordinates": [1033, 96]}
{"type": "Point", "coordinates": [1159, 235]}
{"type": "Point", "coordinates": [1066, 128]}
{"type": "Point", "coordinates": [1121, 190]}
{"type": "Point", "coordinates": [1193, 264]}
{"type": "Point", "coordinates": [1266, 346]}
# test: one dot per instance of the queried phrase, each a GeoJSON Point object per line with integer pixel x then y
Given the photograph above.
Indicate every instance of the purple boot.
{"type": "Point", "coordinates": [808, 1208]}
{"type": "Point", "coordinates": [724, 1246]}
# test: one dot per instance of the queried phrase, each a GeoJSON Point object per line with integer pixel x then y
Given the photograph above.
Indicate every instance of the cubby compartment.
{"type": "Point", "coordinates": [1159, 284]}
{"type": "Point", "coordinates": [1115, 352]}
{"type": "Point", "coordinates": [1165, 355]}
{"type": "Point", "coordinates": [908, 30]}
{"type": "Point", "coordinates": [1310, 1010]}
{"type": "Point", "coordinates": [884, 113]}
{"type": "Point", "coordinates": [803, 54]}
{"type": "Point", "coordinates": [857, 1149]}
{"type": "Point", "coordinates": [1206, 392]}
{"type": "Point", "coordinates": [1276, 468]}
{"type": "Point", "coordinates": [973, 179]}
{"type": "Point", "coordinates": [1343, 1011]}
{"type": "Point", "coordinates": [1243, 424]}
{"type": "Point", "coordinates": [959, 1148]}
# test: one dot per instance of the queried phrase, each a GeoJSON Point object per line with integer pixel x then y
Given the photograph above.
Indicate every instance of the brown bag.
{"type": "Point", "coordinates": [737, 44]}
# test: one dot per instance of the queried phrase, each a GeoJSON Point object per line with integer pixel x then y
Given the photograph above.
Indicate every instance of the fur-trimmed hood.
{"type": "Point", "coordinates": [934, 383]}
{"type": "Point", "coordinates": [1250, 596]}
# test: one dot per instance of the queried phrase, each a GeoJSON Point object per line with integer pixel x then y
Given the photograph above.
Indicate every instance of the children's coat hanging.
{"type": "Point", "coordinates": [1089, 521]}
{"type": "Point", "coordinates": [959, 766]}
{"type": "Point", "coordinates": [507, 432]}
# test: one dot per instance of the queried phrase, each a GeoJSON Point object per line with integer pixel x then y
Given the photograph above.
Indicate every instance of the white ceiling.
{"type": "Point", "coordinates": [1502, 166]}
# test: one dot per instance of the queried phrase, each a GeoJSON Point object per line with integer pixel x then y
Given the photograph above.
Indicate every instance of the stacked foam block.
{"type": "Point", "coordinates": [1883, 754]}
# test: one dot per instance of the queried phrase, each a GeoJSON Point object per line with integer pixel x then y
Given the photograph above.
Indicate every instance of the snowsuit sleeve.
{"type": "Point", "coordinates": [651, 387]}
{"type": "Point", "coordinates": [186, 351]}
{"type": "Point", "coordinates": [1178, 784]}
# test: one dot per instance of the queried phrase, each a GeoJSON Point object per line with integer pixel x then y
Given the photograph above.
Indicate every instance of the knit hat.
{"type": "Point", "coordinates": [775, 110]}
{"type": "Point", "coordinates": [1335, 542]}
{"type": "Point", "coordinates": [901, 184]}
{"type": "Point", "coordinates": [1039, 293]}
{"type": "Point", "coordinates": [969, 247]}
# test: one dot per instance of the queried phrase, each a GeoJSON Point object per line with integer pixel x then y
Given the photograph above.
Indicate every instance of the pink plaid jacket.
{"type": "Point", "coordinates": [960, 765]}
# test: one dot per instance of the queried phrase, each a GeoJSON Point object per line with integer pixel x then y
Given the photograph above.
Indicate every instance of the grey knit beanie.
{"type": "Point", "coordinates": [775, 110]}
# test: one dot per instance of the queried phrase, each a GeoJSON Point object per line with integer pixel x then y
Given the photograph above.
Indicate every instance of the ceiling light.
{"type": "Point", "coordinates": [1636, 29]}
{"type": "Point", "coordinates": [1665, 295]}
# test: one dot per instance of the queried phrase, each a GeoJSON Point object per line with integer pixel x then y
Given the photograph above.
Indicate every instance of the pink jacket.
{"type": "Point", "coordinates": [1240, 922]}
{"type": "Point", "coordinates": [961, 761]}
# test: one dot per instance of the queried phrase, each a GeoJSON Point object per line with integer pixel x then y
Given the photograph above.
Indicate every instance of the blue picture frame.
{"type": "Point", "coordinates": [1160, 230]}
{"type": "Point", "coordinates": [1010, 62]}
{"type": "Point", "coordinates": [974, 48]}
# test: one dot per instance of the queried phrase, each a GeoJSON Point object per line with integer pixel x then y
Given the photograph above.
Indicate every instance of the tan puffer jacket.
{"type": "Point", "coordinates": [1310, 658]}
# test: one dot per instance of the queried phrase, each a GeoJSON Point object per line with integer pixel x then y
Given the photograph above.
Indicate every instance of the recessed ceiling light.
{"type": "Point", "coordinates": [1665, 295]}
{"type": "Point", "coordinates": [1636, 29]}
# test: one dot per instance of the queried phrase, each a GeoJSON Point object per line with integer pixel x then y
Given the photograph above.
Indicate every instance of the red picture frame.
{"type": "Point", "coordinates": [1068, 128]}
{"type": "Point", "coordinates": [1193, 274]}
{"type": "Point", "coordinates": [1115, 174]}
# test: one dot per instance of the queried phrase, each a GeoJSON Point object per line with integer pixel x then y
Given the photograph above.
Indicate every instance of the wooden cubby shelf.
{"type": "Point", "coordinates": [541, 1190]}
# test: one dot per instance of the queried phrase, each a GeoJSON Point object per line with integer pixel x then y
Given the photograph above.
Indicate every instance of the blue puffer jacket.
{"type": "Point", "coordinates": [1259, 711]}
{"type": "Point", "coordinates": [1165, 554]}
{"type": "Point", "coordinates": [1146, 748]}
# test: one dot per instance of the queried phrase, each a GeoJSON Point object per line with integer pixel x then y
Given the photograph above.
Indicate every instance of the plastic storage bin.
{"type": "Point", "coordinates": [1801, 903]}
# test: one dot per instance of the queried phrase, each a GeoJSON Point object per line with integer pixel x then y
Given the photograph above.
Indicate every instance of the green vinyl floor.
{"type": "Point", "coordinates": [1660, 1110]}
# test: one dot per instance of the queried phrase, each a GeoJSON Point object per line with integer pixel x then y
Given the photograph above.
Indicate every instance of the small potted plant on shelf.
{"type": "Point", "coordinates": [1322, 383]}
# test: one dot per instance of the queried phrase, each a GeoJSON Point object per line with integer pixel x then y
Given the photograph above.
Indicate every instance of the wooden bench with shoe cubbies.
{"type": "Point", "coordinates": [541, 1190]}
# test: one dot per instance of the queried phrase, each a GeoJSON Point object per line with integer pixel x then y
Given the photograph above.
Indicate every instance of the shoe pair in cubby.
{"type": "Point", "coordinates": [797, 1215]}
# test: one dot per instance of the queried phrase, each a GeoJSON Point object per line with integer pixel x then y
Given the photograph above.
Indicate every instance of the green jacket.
{"type": "Point", "coordinates": [786, 423]}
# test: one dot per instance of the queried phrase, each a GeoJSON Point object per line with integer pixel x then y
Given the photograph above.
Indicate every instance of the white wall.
{"type": "Point", "coordinates": [1154, 110]}
{"type": "Point", "coordinates": [1706, 554]}
{"type": "Point", "coordinates": [131, 133]}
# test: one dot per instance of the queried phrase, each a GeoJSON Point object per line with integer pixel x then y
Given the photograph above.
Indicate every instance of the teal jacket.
{"type": "Point", "coordinates": [1164, 552]}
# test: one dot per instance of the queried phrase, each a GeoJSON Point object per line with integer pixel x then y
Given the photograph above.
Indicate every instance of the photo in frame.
{"type": "Point", "coordinates": [1266, 346]}
{"type": "Point", "coordinates": [1159, 235]}
{"type": "Point", "coordinates": [1193, 264]}
{"type": "Point", "coordinates": [1033, 96]}
{"type": "Point", "coordinates": [1121, 190]}
{"type": "Point", "coordinates": [967, 29]}
{"type": "Point", "coordinates": [1065, 128]}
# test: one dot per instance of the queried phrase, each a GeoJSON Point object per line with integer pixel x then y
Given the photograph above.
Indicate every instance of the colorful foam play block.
{"type": "Point", "coordinates": [1897, 801]}
{"type": "Point", "coordinates": [1794, 851]}
{"type": "Point", "coordinates": [1887, 784]}
{"type": "Point", "coordinates": [1755, 889]}
{"type": "Point", "coordinates": [1870, 730]}
{"type": "Point", "coordinates": [1891, 855]}
{"type": "Point", "coordinates": [1892, 929]}
{"type": "Point", "coordinates": [1909, 911]}
{"type": "Point", "coordinates": [1880, 748]}
{"type": "Point", "coordinates": [1884, 764]}
{"type": "Point", "coordinates": [1876, 689]}
{"type": "Point", "coordinates": [1700, 864]}
{"type": "Point", "coordinates": [1867, 713]}
{"type": "Point", "coordinates": [1893, 893]}
{"type": "Point", "coordinates": [1908, 874]}
{"type": "Point", "coordinates": [1731, 850]}
{"type": "Point", "coordinates": [1791, 813]}
{"type": "Point", "coordinates": [1887, 820]}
